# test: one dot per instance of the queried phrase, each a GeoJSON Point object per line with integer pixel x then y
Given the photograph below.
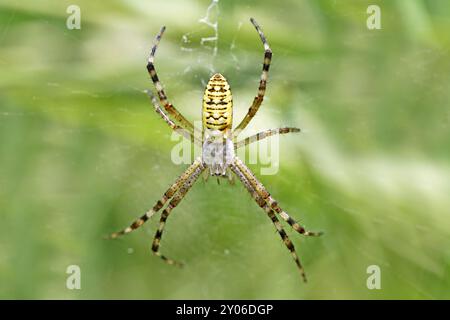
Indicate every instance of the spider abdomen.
{"type": "Point", "coordinates": [217, 104]}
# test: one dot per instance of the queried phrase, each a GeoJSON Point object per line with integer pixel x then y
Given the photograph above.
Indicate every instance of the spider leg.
{"type": "Point", "coordinates": [262, 83]}
{"type": "Point", "coordinates": [206, 175]}
{"type": "Point", "coordinates": [264, 134]}
{"type": "Point", "coordinates": [172, 204]}
{"type": "Point", "coordinates": [230, 176]}
{"type": "Point", "coordinates": [260, 201]}
{"type": "Point", "coordinates": [262, 191]}
{"type": "Point", "coordinates": [160, 203]}
{"type": "Point", "coordinates": [180, 130]}
{"type": "Point", "coordinates": [162, 95]}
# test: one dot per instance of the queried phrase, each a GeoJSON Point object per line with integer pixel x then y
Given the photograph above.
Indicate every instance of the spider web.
{"type": "Point", "coordinates": [211, 20]}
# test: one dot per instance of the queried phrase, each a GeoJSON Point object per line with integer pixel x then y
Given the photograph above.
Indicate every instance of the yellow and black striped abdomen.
{"type": "Point", "coordinates": [217, 104]}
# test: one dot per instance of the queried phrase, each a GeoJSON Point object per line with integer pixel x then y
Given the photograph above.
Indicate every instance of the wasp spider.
{"type": "Point", "coordinates": [218, 142]}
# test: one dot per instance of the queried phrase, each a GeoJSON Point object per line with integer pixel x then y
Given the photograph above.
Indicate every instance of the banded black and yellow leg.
{"type": "Point", "coordinates": [172, 204]}
{"type": "Point", "coordinates": [262, 83]}
{"type": "Point", "coordinates": [286, 241]}
{"type": "Point", "coordinates": [185, 133]}
{"type": "Point", "coordinates": [264, 134]}
{"type": "Point", "coordinates": [159, 88]}
{"type": "Point", "coordinates": [294, 224]}
{"type": "Point", "coordinates": [262, 191]}
{"type": "Point", "coordinates": [260, 201]}
{"type": "Point", "coordinates": [160, 203]}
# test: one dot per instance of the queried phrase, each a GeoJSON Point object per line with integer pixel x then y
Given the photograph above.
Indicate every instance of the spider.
{"type": "Point", "coordinates": [218, 142]}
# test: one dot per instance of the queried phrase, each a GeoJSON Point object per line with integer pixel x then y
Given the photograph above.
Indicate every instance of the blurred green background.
{"type": "Point", "coordinates": [82, 153]}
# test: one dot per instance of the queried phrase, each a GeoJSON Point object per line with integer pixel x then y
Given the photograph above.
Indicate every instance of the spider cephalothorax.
{"type": "Point", "coordinates": [218, 144]}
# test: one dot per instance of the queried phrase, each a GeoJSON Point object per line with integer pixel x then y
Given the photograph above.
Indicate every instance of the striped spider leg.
{"type": "Point", "coordinates": [159, 88]}
{"type": "Point", "coordinates": [198, 169]}
{"type": "Point", "coordinates": [262, 135]}
{"type": "Point", "coordinates": [179, 182]}
{"type": "Point", "coordinates": [270, 213]}
{"type": "Point", "coordinates": [262, 83]}
{"type": "Point", "coordinates": [262, 191]}
{"type": "Point", "coordinates": [180, 130]}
